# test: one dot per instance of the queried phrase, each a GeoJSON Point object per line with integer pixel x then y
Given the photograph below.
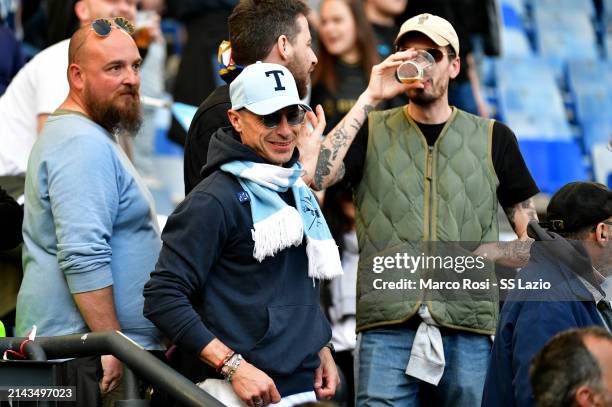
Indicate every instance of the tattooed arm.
{"type": "Point", "coordinates": [519, 216]}
{"type": "Point", "coordinates": [330, 165]}
{"type": "Point", "coordinates": [514, 253]}
{"type": "Point", "coordinates": [382, 86]}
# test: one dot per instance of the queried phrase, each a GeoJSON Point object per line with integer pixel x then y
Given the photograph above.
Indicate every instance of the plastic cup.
{"type": "Point", "coordinates": [418, 68]}
{"type": "Point", "coordinates": [142, 34]}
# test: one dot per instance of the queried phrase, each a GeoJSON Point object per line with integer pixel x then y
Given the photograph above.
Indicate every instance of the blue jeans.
{"type": "Point", "coordinates": [381, 362]}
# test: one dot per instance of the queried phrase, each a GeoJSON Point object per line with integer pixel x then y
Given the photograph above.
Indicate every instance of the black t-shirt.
{"type": "Point", "coordinates": [385, 38]}
{"type": "Point", "coordinates": [515, 181]}
{"type": "Point", "coordinates": [351, 82]}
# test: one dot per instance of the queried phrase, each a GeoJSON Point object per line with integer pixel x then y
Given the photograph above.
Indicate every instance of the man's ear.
{"type": "Point", "coordinates": [82, 11]}
{"type": "Point", "coordinates": [601, 233]}
{"type": "Point", "coordinates": [235, 120]}
{"type": "Point", "coordinates": [284, 47]}
{"type": "Point", "coordinates": [455, 67]}
{"type": "Point", "coordinates": [76, 76]}
{"type": "Point", "coordinates": [585, 397]}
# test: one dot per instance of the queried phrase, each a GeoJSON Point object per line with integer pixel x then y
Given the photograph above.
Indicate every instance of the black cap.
{"type": "Point", "coordinates": [578, 205]}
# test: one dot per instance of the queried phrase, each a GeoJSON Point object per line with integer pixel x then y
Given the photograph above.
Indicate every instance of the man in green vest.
{"type": "Point", "coordinates": [423, 173]}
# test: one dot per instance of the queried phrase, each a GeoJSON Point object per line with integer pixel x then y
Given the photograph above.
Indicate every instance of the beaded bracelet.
{"type": "Point", "coordinates": [232, 365]}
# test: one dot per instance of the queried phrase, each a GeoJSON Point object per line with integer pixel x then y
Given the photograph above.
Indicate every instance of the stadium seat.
{"type": "Point", "coordinates": [529, 99]}
{"type": "Point", "coordinates": [553, 163]}
{"type": "Point", "coordinates": [515, 43]}
{"type": "Point", "coordinates": [597, 131]}
{"type": "Point", "coordinates": [602, 164]}
{"type": "Point", "coordinates": [511, 17]}
{"type": "Point", "coordinates": [565, 32]}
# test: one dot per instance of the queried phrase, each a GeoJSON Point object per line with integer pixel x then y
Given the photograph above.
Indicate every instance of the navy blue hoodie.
{"type": "Point", "coordinates": [207, 284]}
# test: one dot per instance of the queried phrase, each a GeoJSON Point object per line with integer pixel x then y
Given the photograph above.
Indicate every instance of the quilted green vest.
{"type": "Point", "coordinates": [411, 194]}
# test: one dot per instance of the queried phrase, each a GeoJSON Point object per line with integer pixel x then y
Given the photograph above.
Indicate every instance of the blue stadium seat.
{"type": "Point", "coordinates": [553, 163]}
{"type": "Point", "coordinates": [593, 102]}
{"type": "Point", "coordinates": [515, 43]}
{"type": "Point", "coordinates": [511, 17]}
{"type": "Point", "coordinates": [597, 131]}
{"type": "Point", "coordinates": [565, 32]}
{"type": "Point", "coordinates": [530, 101]}
{"type": "Point", "coordinates": [587, 72]}
{"type": "Point", "coordinates": [602, 163]}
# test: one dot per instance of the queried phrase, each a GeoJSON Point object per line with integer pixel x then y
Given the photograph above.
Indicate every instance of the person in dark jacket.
{"type": "Point", "coordinates": [273, 31]}
{"type": "Point", "coordinates": [564, 275]}
{"type": "Point", "coordinates": [237, 281]}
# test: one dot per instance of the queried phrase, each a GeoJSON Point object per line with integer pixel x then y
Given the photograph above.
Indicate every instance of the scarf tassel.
{"type": "Point", "coordinates": [323, 259]}
{"type": "Point", "coordinates": [277, 232]}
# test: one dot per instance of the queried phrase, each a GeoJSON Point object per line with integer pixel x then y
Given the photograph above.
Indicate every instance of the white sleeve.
{"type": "Point", "coordinates": [50, 80]}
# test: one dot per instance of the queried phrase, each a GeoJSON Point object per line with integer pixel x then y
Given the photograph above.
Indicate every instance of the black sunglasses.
{"type": "Point", "coordinates": [103, 26]}
{"type": "Point", "coordinates": [436, 53]}
{"type": "Point", "coordinates": [294, 114]}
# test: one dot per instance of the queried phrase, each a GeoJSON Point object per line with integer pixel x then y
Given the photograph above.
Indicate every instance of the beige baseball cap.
{"type": "Point", "coordinates": [436, 28]}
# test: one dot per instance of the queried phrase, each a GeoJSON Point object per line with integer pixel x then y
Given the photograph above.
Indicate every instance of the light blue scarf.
{"type": "Point", "coordinates": [277, 225]}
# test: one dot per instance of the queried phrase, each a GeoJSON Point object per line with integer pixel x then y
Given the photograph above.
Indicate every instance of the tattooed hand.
{"type": "Point", "coordinates": [519, 216]}
{"type": "Point", "coordinates": [309, 142]}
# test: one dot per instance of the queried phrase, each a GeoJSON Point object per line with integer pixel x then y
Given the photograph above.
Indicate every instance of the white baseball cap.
{"type": "Point", "coordinates": [264, 88]}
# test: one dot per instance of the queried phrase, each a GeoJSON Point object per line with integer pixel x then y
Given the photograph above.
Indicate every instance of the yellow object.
{"type": "Point", "coordinates": [2, 330]}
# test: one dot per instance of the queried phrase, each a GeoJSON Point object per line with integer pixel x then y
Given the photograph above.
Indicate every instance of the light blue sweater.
{"type": "Point", "coordinates": [89, 223]}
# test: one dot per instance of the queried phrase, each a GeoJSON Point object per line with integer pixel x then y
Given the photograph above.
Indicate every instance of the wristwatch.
{"type": "Point", "coordinates": [331, 348]}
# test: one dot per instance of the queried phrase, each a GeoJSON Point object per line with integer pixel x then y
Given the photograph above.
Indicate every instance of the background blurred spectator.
{"type": "Point", "coordinates": [152, 46]}
{"type": "Point", "coordinates": [382, 14]}
{"type": "Point", "coordinates": [206, 25]}
{"type": "Point", "coordinates": [346, 54]}
{"type": "Point", "coordinates": [62, 21]}
{"type": "Point", "coordinates": [574, 369]}
{"type": "Point", "coordinates": [11, 57]}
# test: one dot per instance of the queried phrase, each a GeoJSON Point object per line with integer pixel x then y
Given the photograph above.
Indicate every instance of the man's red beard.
{"type": "Point", "coordinates": [119, 113]}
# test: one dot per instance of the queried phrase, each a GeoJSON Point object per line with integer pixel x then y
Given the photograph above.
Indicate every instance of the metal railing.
{"type": "Point", "coordinates": [143, 364]}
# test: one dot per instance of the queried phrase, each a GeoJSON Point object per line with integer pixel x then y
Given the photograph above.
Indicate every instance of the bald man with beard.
{"type": "Point", "coordinates": [90, 230]}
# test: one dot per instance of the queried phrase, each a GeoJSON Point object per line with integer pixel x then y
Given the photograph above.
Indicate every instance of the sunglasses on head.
{"type": "Point", "coordinates": [294, 114]}
{"type": "Point", "coordinates": [103, 26]}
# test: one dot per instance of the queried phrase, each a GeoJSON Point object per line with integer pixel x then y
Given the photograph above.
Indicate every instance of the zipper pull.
{"type": "Point", "coordinates": [429, 168]}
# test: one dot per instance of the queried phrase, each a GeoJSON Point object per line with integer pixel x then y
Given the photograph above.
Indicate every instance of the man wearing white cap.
{"type": "Point", "coordinates": [237, 281]}
{"type": "Point", "coordinates": [426, 172]}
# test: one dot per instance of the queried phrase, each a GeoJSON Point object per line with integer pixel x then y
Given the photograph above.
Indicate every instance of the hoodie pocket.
{"type": "Point", "coordinates": [293, 339]}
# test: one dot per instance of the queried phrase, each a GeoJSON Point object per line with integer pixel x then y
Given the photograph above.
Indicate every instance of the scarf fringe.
{"type": "Point", "coordinates": [323, 259]}
{"type": "Point", "coordinates": [283, 229]}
